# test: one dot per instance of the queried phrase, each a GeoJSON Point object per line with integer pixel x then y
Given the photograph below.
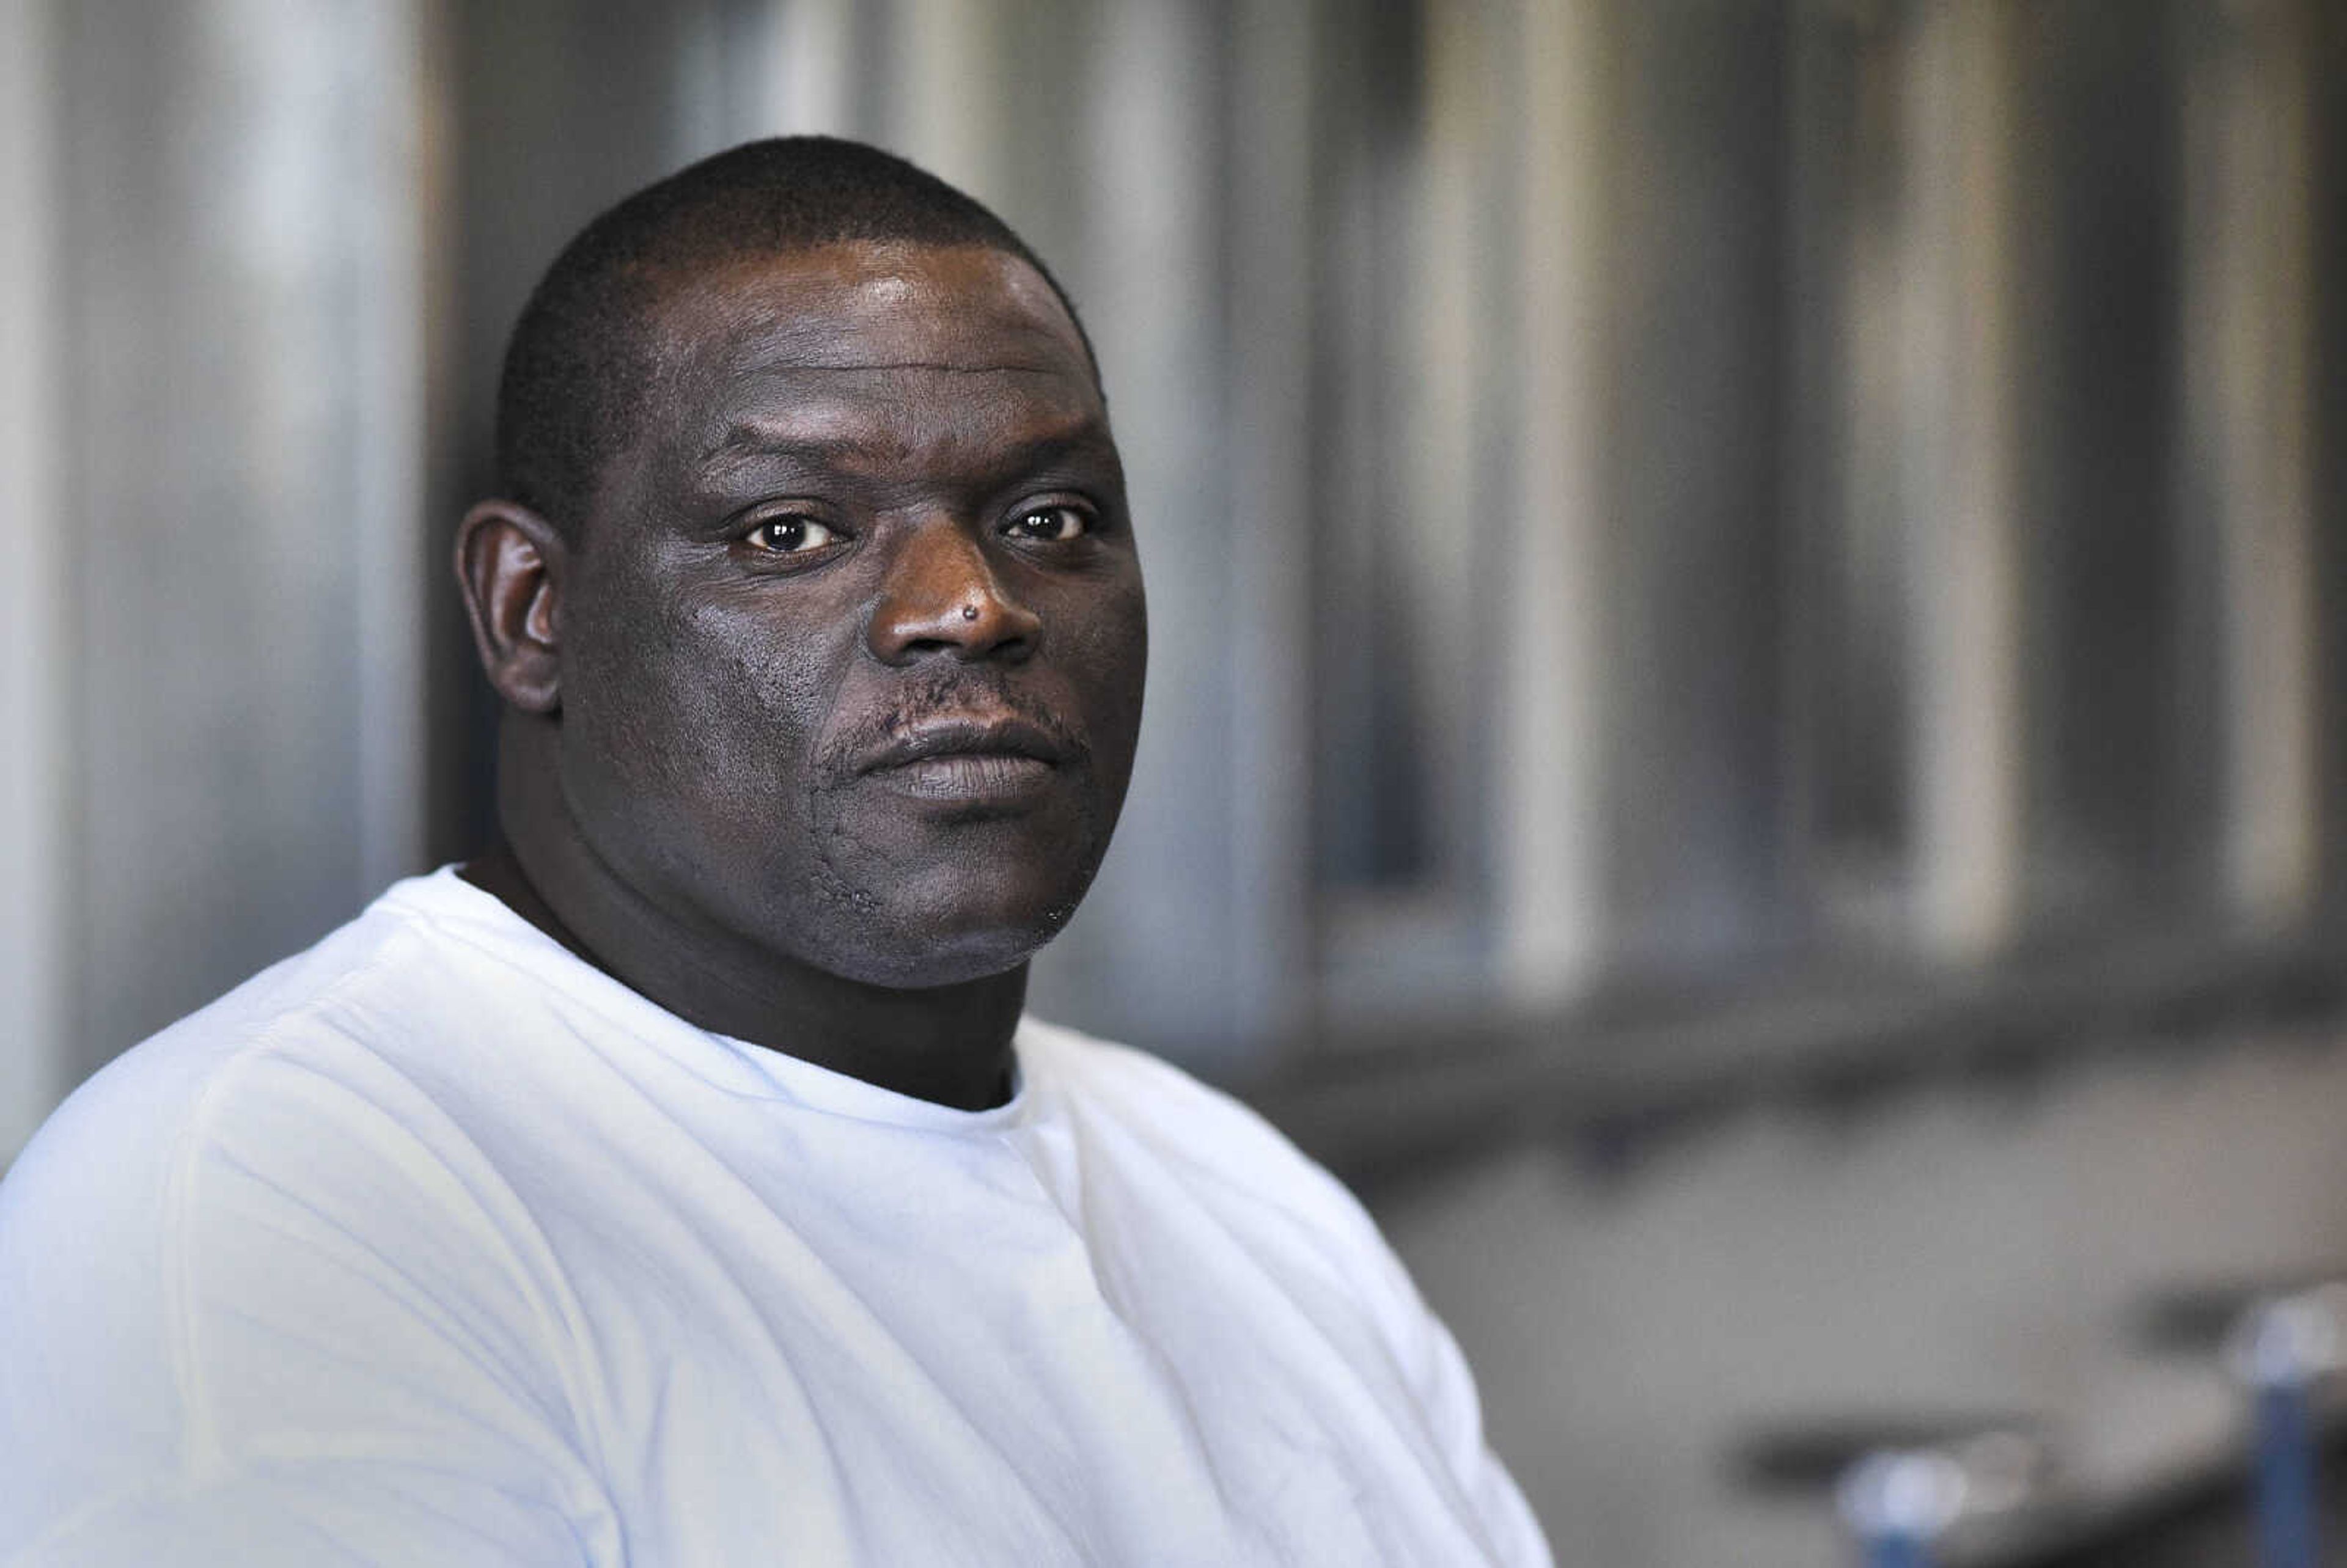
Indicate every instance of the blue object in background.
{"type": "Point", "coordinates": [2287, 1532]}
{"type": "Point", "coordinates": [1897, 1549]}
{"type": "Point", "coordinates": [1896, 1503]}
{"type": "Point", "coordinates": [2282, 1350]}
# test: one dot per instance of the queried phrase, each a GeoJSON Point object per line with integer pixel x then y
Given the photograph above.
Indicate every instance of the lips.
{"type": "Point", "coordinates": [968, 759]}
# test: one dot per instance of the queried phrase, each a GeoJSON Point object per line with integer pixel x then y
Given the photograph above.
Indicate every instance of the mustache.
{"type": "Point", "coordinates": [933, 695]}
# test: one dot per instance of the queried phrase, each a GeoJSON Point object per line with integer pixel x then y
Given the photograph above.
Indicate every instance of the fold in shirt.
{"type": "Point", "coordinates": [435, 1244]}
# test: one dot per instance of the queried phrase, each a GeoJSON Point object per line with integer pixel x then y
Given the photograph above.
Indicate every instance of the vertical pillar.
{"type": "Point", "coordinates": [2248, 408]}
{"type": "Point", "coordinates": [1960, 474]}
{"type": "Point", "coordinates": [241, 183]}
{"type": "Point", "coordinates": [951, 96]}
{"type": "Point", "coordinates": [1456, 407]}
{"type": "Point", "coordinates": [1274, 102]}
{"type": "Point", "coordinates": [1697, 553]}
{"type": "Point", "coordinates": [32, 624]}
{"type": "Point", "coordinates": [1150, 952]}
{"type": "Point", "coordinates": [393, 242]}
{"type": "Point", "coordinates": [802, 70]}
{"type": "Point", "coordinates": [1849, 635]}
{"type": "Point", "coordinates": [1551, 735]}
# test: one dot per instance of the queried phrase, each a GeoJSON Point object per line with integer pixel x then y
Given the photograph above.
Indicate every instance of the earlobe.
{"type": "Point", "coordinates": [510, 564]}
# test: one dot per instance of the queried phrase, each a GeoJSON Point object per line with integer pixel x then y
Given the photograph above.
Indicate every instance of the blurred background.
{"type": "Point", "coordinates": [1749, 708]}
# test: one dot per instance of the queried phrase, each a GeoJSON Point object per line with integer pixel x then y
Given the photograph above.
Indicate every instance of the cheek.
{"type": "Point", "coordinates": [704, 714]}
{"type": "Point", "coordinates": [1108, 652]}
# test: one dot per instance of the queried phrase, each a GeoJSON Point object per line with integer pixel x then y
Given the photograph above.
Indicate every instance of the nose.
{"type": "Point", "coordinates": [943, 597]}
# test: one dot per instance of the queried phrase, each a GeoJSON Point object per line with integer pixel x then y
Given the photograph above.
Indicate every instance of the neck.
{"type": "Point", "coordinates": [951, 1044]}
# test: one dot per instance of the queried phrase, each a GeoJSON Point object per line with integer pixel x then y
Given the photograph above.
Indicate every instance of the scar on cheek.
{"type": "Point", "coordinates": [836, 890]}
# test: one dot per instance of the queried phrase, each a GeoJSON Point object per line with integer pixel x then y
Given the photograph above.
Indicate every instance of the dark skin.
{"type": "Point", "coordinates": [818, 728]}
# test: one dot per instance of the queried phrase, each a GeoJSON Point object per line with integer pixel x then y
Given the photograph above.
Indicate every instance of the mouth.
{"type": "Point", "coordinates": [968, 760]}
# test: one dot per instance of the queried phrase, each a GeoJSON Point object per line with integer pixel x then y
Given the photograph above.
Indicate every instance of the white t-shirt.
{"type": "Point", "coordinates": [434, 1245]}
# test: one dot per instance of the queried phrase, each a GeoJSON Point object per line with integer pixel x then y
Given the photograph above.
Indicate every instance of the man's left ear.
{"type": "Point", "coordinates": [510, 563]}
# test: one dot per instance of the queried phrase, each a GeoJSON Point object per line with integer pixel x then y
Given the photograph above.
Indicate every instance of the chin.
{"type": "Point", "coordinates": [953, 920]}
{"type": "Point", "coordinates": [903, 959]}
{"type": "Point", "coordinates": [958, 932]}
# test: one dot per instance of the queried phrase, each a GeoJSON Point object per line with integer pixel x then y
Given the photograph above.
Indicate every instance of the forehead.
{"type": "Point", "coordinates": [837, 319]}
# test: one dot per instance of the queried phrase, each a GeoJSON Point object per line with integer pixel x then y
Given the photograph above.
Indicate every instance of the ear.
{"type": "Point", "coordinates": [511, 564]}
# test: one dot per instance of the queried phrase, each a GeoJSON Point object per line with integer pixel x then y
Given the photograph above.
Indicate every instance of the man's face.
{"type": "Point", "coordinates": [854, 638]}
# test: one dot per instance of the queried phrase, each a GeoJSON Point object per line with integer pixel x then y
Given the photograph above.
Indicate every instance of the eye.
{"type": "Point", "coordinates": [790, 534]}
{"type": "Point", "coordinates": [1050, 525]}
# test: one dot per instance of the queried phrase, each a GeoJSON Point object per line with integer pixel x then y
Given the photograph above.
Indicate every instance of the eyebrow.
{"type": "Point", "coordinates": [795, 364]}
{"type": "Point", "coordinates": [750, 440]}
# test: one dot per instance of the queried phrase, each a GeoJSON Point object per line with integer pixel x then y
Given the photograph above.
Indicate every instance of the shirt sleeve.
{"type": "Point", "coordinates": [275, 1313]}
{"type": "Point", "coordinates": [1435, 1374]}
{"type": "Point", "coordinates": [1445, 1389]}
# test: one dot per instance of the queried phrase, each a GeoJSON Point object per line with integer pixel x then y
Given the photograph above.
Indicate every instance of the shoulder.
{"type": "Point", "coordinates": [1228, 1157]}
{"type": "Point", "coordinates": [351, 1020]}
{"type": "Point", "coordinates": [347, 1090]}
{"type": "Point", "coordinates": [118, 1198]}
{"type": "Point", "coordinates": [171, 1239]}
{"type": "Point", "coordinates": [295, 1108]}
{"type": "Point", "coordinates": [294, 1082]}
{"type": "Point", "coordinates": [309, 1016]}
{"type": "Point", "coordinates": [1101, 1078]}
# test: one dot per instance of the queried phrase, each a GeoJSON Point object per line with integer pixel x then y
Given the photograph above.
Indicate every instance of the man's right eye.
{"type": "Point", "coordinates": [790, 534]}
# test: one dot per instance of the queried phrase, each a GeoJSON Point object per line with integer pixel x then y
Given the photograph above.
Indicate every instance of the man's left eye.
{"type": "Point", "coordinates": [1050, 525]}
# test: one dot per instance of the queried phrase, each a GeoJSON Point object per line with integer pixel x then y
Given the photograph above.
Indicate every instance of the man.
{"type": "Point", "coordinates": [679, 1183]}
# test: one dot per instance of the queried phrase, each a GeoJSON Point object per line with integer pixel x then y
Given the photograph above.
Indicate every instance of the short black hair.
{"type": "Point", "coordinates": [579, 361]}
